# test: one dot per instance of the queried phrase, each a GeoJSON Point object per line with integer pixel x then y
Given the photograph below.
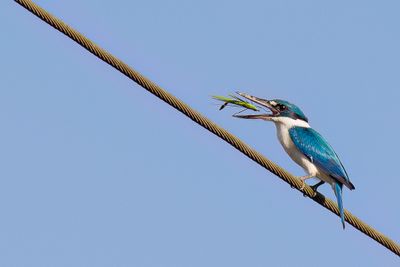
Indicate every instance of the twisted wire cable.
{"type": "Point", "coordinates": [293, 181]}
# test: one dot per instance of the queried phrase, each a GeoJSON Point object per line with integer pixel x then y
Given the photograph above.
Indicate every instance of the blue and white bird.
{"type": "Point", "coordinates": [304, 145]}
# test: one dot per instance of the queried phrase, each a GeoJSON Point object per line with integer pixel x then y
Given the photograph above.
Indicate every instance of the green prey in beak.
{"type": "Point", "coordinates": [269, 104]}
{"type": "Point", "coordinates": [235, 101]}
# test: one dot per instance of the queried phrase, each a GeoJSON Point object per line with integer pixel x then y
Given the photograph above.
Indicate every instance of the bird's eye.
{"type": "Point", "coordinates": [282, 107]}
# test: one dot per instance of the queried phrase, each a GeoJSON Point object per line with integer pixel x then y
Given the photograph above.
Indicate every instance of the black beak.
{"type": "Point", "coordinates": [262, 102]}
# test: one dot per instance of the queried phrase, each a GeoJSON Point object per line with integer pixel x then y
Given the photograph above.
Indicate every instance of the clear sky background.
{"type": "Point", "coordinates": [95, 171]}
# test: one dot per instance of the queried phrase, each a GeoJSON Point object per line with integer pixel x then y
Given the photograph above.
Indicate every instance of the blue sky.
{"type": "Point", "coordinates": [95, 171]}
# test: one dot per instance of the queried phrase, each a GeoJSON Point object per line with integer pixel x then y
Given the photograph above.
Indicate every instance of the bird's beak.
{"type": "Point", "coordinates": [262, 102]}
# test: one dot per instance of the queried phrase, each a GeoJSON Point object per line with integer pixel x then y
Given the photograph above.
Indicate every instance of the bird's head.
{"type": "Point", "coordinates": [279, 108]}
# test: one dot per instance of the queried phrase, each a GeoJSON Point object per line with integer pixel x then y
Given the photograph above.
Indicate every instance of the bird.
{"type": "Point", "coordinates": [304, 145]}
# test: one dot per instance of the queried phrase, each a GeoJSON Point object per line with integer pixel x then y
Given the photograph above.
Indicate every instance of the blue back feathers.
{"type": "Point", "coordinates": [318, 151]}
{"type": "Point", "coordinates": [311, 144]}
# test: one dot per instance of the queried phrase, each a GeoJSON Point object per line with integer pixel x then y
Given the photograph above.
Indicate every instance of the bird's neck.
{"type": "Point", "coordinates": [289, 122]}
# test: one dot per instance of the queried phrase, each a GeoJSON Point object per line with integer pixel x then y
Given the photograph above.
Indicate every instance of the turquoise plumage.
{"type": "Point", "coordinates": [319, 152]}
{"type": "Point", "coordinates": [304, 145]}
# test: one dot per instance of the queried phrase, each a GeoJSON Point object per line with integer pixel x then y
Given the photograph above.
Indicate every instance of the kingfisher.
{"type": "Point", "coordinates": [304, 145]}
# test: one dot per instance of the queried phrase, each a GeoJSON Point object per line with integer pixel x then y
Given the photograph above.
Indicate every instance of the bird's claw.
{"type": "Point", "coordinates": [302, 185]}
{"type": "Point", "coordinates": [302, 188]}
{"type": "Point", "coordinates": [314, 188]}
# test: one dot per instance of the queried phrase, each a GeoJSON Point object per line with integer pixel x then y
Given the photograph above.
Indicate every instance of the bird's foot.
{"type": "Point", "coordinates": [302, 188]}
{"type": "Point", "coordinates": [303, 178]}
{"type": "Point", "coordinates": [302, 185]}
{"type": "Point", "coordinates": [315, 187]}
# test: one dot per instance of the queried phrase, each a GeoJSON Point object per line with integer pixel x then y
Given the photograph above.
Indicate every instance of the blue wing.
{"type": "Point", "coordinates": [318, 151]}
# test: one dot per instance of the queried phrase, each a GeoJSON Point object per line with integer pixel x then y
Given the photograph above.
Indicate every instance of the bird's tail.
{"type": "Point", "coordinates": [338, 192]}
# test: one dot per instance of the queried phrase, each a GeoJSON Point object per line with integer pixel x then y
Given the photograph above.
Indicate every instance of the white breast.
{"type": "Point", "coordinates": [282, 128]}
